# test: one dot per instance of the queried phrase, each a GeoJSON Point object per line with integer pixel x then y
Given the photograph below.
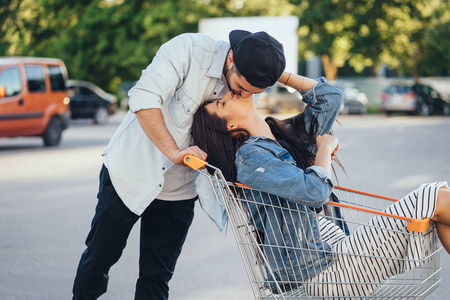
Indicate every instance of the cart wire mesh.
{"type": "Point", "coordinates": [413, 277]}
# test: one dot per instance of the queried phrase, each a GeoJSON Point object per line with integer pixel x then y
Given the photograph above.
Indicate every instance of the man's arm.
{"type": "Point", "coordinates": [152, 122]}
{"type": "Point", "coordinates": [157, 83]}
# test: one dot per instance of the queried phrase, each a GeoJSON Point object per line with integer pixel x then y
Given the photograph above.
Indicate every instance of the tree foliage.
{"type": "Point", "coordinates": [408, 35]}
{"type": "Point", "coordinates": [110, 41]}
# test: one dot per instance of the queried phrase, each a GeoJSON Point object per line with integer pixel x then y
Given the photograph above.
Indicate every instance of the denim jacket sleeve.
{"type": "Point", "coordinates": [273, 172]}
{"type": "Point", "coordinates": [324, 102]}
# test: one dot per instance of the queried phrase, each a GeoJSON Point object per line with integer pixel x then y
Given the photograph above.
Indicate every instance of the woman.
{"type": "Point", "coordinates": [292, 160]}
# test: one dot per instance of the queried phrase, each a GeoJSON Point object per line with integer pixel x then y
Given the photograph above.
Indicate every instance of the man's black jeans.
{"type": "Point", "coordinates": [164, 226]}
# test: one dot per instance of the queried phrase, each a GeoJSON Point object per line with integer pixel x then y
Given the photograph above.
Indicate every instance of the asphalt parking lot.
{"type": "Point", "coordinates": [48, 196]}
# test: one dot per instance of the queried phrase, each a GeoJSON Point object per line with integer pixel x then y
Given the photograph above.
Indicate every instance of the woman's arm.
{"type": "Point", "coordinates": [326, 144]}
{"type": "Point", "coordinates": [324, 100]}
{"type": "Point", "coordinates": [262, 170]}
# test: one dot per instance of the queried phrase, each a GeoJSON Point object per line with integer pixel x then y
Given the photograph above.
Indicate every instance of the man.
{"type": "Point", "coordinates": [143, 176]}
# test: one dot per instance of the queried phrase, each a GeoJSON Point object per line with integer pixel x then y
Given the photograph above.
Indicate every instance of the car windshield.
{"type": "Point", "coordinates": [88, 86]}
{"type": "Point", "coordinates": [399, 89]}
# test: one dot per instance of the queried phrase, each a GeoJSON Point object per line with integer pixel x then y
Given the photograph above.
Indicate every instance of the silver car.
{"type": "Point", "coordinates": [414, 98]}
{"type": "Point", "coordinates": [278, 97]}
{"type": "Point", "coordinates": [355, 101]}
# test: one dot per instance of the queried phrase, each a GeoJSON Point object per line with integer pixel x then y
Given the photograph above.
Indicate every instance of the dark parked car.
{"type": "Point", "coordinates": [414, 98]}
{"type": "Point", "coordinates": [89, 101]}
{"type": "Point", "coordinates": [355, 101]}
{"type": "Point", "coordinates": [124, 88]}
{"type": "Point", "coordinates": [280, 97]}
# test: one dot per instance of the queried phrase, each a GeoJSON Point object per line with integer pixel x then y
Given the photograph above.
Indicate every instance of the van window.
{"type": "Point", "coordinates": [10, 79]}
{"type": "Point", "coordinates": [56, 78]}
{"type": "Point", "coordinates": [35, 78]}
{"type": "Point", "coordinates": [86, 91]}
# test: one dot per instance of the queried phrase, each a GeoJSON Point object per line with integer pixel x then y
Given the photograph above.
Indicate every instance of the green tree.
{"type": "Point", "coordinates": [104, 41]}
{"type": "Point", "coordinates": [110, 41]}
{"type": "Point", "coordinates": [408, 34]}
{"type": "Point", "coordinates": [19, 18]}
{"type": "Point", "coordinates": [403, 34]}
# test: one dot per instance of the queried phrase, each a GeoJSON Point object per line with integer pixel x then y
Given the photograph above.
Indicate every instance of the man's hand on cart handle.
{"type": "Point", "coordinates": [194, 162]}
{"type": "Point", "coordinates": [193, 150]}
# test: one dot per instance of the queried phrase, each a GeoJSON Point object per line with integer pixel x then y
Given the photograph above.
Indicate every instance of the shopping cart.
{"type": "Point", "coordinates": [352, 212]}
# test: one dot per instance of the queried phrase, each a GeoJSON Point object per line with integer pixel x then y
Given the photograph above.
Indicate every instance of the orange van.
{"type": "Point", "coordinates": [33, 98]}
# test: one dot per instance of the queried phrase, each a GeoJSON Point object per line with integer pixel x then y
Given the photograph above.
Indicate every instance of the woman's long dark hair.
{"type": "Point", "coordinates": [210, 133]}
{"type": "Point", "coordinates": [293, 132]}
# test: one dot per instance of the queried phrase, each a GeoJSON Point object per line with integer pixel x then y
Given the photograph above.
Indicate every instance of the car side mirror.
{"type": "Point", "coordinates": [2, 91]}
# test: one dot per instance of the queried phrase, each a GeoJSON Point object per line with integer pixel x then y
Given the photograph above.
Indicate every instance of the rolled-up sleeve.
{"type": "Point", "coordinates": [324, 102]}
{"type": "Point", "coordinates": [163, 76]}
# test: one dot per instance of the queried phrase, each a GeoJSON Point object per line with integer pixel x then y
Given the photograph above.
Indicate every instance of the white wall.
{"type": "Point", "coordinates": [284, 29]}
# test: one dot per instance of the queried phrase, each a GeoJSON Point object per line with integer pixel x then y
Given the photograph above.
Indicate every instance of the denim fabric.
{"type": "Point", "coordinates": [264, 165]}
{"type": "Point", "coordinates": [295, 227]}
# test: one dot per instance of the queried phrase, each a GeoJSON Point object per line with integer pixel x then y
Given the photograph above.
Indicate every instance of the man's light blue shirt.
{"type": "Point", "coordinates": [186, 71]}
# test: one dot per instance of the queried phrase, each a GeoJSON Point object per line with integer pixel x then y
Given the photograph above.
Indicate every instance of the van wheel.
{"type": "Point", "coordinates": [53, 132]}
{"type": "Point", "coordinates": [101, 115]}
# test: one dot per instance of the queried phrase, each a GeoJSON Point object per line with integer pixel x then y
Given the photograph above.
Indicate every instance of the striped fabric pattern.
{"type": "Point", "coordinates": [364, 259]}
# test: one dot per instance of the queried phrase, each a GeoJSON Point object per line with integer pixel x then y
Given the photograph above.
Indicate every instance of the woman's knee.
{"type": "Point", "coordinates": [442, 211]}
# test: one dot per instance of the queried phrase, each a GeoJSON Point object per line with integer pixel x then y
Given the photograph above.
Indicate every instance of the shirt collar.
{"type": "Point", "coordinates": [261, 137]}
{"type": "Point", "coordinates": [216, 68]}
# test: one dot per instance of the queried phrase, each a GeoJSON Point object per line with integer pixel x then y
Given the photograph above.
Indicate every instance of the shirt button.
{"type": "Point", "coordinates": [159, 185]}
{"type": "Point", "coordinates": [163, 168]}
{"type": "Point", "coordinates": [215, 93]}
{"type": "Point", "coordinates": [188, 110]}
{"type": "Point", "coordinates": [178, 99]}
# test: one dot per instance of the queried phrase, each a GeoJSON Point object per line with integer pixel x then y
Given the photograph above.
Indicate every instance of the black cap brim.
{"type": "Point", "coordinates": [236, 36]}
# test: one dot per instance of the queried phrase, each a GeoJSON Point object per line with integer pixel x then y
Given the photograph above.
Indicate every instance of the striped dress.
{"type": "Point", "coordinates": [361, 258]}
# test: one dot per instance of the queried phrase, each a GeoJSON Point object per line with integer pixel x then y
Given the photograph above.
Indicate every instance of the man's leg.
{"type": "Point", "coordinates": [107, 238]}
{"type": "Point", "coordinates": [164, 227]}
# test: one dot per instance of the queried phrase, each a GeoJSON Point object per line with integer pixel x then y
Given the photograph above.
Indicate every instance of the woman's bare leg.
{"type": "Point", "coordinates": [443, 232]}
{"type": "Point", "coordinates": [442, 217]}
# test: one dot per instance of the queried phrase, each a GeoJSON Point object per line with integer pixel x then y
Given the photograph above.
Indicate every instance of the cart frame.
{"type": "Point", "coordinates": [355, 209]}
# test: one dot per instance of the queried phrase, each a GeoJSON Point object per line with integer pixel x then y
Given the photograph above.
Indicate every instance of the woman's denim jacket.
{"type": "Point", "coordinates": [265, 166]}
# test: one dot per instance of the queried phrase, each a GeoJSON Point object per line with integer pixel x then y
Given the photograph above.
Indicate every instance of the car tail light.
{"type": "Point", "coordinates": [410, 96]}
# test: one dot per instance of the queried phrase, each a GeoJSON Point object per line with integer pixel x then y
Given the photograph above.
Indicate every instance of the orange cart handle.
{"type": "Point", "coordinates": [194, 162]}
{"type": "Point", "coordinates": [415, 225]}
{"type": "Point", "coordinates": [334, 152]}
{"type": "Point", "coordinates": [364, 193]}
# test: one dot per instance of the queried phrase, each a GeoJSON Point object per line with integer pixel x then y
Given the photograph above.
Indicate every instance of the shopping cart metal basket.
{"type": "Point", "coordinates": [350, 211]}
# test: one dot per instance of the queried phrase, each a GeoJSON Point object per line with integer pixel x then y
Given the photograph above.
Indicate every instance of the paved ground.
{"type": "Point", "coordinates": [47, 200]}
